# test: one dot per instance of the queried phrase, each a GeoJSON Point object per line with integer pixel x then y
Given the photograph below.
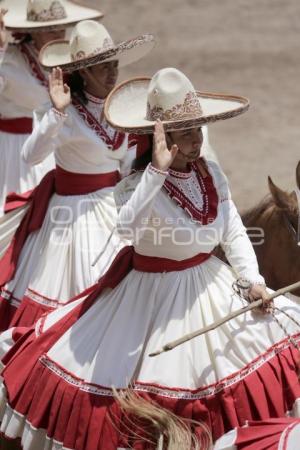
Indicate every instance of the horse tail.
{"type": "Point", "coordinates": [158, 427]}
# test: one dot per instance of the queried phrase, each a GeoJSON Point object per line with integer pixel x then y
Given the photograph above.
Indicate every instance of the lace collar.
{"type": "Point", "coordinates": [181, 174]}
{"type": "Point", "coordinates": [91, 98]}
{"type": "Point", "coordinates": [194, 192]}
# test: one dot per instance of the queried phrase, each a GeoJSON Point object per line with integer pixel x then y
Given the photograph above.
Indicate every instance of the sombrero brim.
{"type": "Point", "coordinates": [125, 108]}
{"type": "Point", "coordinates": [16, 20]}
{"type": "Point", "coordinates": [57, 53]}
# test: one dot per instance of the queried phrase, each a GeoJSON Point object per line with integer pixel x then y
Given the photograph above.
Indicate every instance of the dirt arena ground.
{"type": "Point", "coordinates": [247, 47]}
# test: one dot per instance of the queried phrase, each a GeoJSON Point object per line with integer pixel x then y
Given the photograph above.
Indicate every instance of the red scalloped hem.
{"type": "Point", "coordinates": [85, 419]}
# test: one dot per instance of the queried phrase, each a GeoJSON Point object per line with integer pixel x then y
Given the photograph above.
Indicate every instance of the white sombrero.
{"type": "Point", "coordinates": [44, 15]}
{"type": "Point", "coordinates": [135, 105]}
{"type": "Point", "coordinates": [91, 44]}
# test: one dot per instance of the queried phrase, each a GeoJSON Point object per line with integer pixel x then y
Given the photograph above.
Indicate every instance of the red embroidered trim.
{"type": "Point", "coordinates": [155, 170]}
{"type": "Point", "coordinates": [181, 175]}
{"type": "Point", "coordinates": [30, 58]}
{"type": "Point", "coordinates": [208, 213]}
{"type": "Point", "coordinates": [114, 143]}
{"type": "Point", "coordinates": [42, 299]}
{"type": "Point", "coordinates": [174, 392]}
{"type": "Point", "coordinates": [8, 296]}
{"type": "Point", "coordinates": [93, 99]}
{"type": "Point", "coordinates": [59, 113]}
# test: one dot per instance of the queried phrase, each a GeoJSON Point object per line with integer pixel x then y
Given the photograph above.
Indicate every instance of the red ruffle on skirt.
{"type": "Point", "coordinates": [8, 308]}
{"type": "Point", "coordinates": [28, 313]}
{"type": "Point", "coordinates": [86, 417]}
{"type": "Point", "coordinates": [30, 310]}
{"type": "Point", "coordinates": [266, 435]}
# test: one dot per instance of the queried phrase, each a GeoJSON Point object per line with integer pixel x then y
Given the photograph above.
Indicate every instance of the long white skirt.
{"type": "Point", "coordinates": [243, 370]}
{"type": "Point", "coordinates": [15, 174]}
{"type": "Point", "coordinates": [56, 262]}
{"type": "Point", "coordinates": [8, 226]}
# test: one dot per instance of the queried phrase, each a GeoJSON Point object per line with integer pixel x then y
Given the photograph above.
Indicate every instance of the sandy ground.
{"type": "Point", "coordinates": [247, 47]}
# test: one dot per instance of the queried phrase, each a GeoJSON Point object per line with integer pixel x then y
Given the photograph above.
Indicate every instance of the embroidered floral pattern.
{"type": "Point", "coordinates": [189, 109]}
{"type": "Point", "coordinates": [195, 194]}
{"type": "Point", "coordinates": [114, 142]}
{"type": "Point", "coordinates": [56, 11]}
{"type": "Point", "coordinates": [80, 54]}
{"type": "Point", "coordinates": [111, 52]}
{"type": "Point", "coordinates": [136, 42]}
{"type": "Point", "coordinates": [107, 44]}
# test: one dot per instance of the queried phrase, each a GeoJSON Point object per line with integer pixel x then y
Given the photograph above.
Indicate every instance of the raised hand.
{"type": "Point", "coordinates": [3, 32]}
{"type": "Point", "coordinates": [59, 91]}
{"type": "Point", "coordinates": [162, 157]}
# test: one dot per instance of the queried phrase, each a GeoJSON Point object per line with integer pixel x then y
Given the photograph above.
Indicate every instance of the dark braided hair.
{"type": "Point", "coordinates": [143, 161]}
{"type": "Point", "coordinates": [76, 84]}
{"type": "Point", "coordinates": [21, 38]}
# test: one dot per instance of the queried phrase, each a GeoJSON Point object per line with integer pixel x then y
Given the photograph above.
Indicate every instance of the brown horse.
{"type": "Point", "coordinates": [275, 222]}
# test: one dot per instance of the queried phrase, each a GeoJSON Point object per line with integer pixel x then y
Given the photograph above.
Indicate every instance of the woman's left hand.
{"type": "Point", "coordinates": [258, 291]}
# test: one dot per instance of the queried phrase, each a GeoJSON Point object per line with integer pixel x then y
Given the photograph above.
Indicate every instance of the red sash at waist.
{"type": "Point", "coordinates": [59, 181]}
{"type": "Point", "coordinates": [19, 125]}
{"type": "Point", "coordinates": [64, 183]}
{"type": "Point", "coordinates": [70, 183]}
{"type": "Point", "coordinates": [158, 265]}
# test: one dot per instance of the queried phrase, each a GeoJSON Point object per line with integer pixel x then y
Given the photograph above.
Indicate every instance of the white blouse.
{"type": "Point", "coordinates": [158, 226]}
{"type": "Point", "coordinates": [20, 91]}
{"type": "Point", "coordinates": [76, 144]}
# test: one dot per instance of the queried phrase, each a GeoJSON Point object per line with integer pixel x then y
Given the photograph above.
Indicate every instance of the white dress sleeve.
{"type": "Point", "coordinates": [17, 84]}
{"type": "Point", "coordinates": [235, 241]}
{"type": "Point", "coordinates": [2, 77]}
{"type": "Point", "coordinates": [135, 196]}
{"type": "Point", "coordinates": [44, 138]}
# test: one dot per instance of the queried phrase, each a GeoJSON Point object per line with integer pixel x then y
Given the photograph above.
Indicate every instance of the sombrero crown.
{"type": "Point", "coordinates": [88, 39]}
{"type": "Point", "coordinates": [43, 15]}
{"type": "Point", "coordinates": [172, 96]}
{"type": "Point", "coordinates": [45, 10]}
{"type": "Point", "coordinates": [135, 105]}
{"type": "Point", "coordinates": [90, 44]}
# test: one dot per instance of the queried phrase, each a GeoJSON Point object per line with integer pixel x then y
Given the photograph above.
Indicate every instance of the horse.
{"type": "Point", "coordinates": [274, 230]}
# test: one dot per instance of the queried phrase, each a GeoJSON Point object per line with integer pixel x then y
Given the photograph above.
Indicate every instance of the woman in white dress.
{"type": "Point", "coordinates": [72, 211]}
{"type": "Point", "coordinates": [23, 82]}
{"type": "Point", "coordinates": [58, 379]}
